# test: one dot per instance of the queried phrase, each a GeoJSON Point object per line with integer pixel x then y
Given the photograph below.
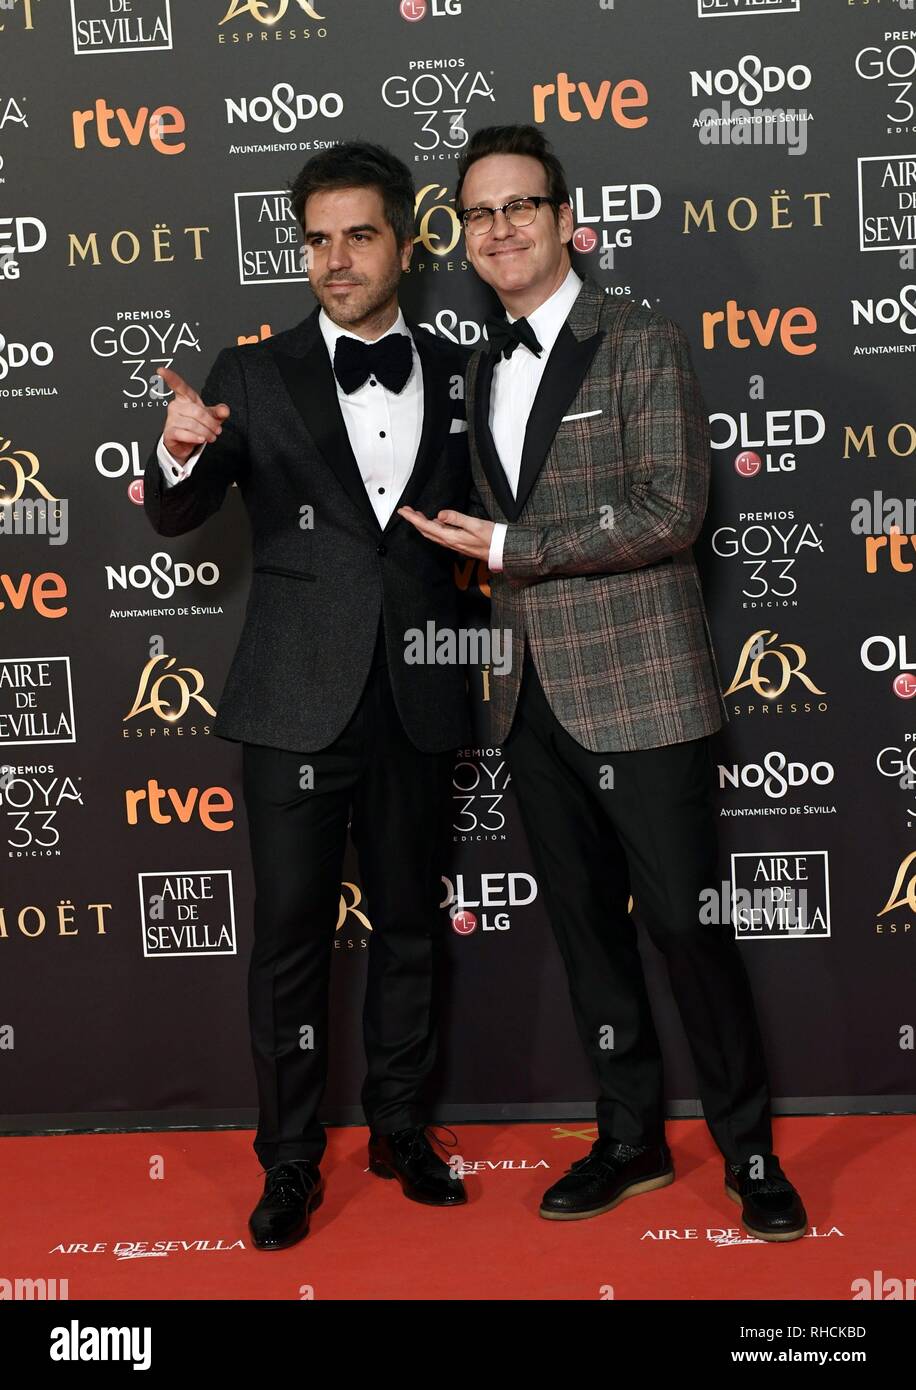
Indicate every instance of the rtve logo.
{"type": "Point", "coordinates": [792, 324]}
{"type": "Point", "coordinates": [160, 126]}
{"type": "Point", "coordinates": [615, 98]}
{"type": "Point", "coordinates": [208, 805]}
{"type": "Point", "coordinates": [42, 589]}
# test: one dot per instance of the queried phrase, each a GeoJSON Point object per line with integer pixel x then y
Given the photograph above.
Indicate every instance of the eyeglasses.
{"type": "Point", "coordinates": [520, 212]}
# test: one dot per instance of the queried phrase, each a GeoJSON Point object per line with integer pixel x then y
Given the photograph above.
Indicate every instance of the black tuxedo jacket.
{"type": "Point", "coordinates": [317, 592]}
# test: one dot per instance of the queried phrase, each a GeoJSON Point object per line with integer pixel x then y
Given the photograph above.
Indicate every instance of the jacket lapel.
{"type": "Point", "coordinates": [309, 379]}
{"type": "Point", "coordinates": [483, 437]}
{"type": "Point", "coordinates": [569, 360]}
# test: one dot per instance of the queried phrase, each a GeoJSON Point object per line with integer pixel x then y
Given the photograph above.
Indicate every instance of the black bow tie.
{"type": "Point", "coordinates": [390, 359]}
{"type": "Point", "coordinates": [504, 337]}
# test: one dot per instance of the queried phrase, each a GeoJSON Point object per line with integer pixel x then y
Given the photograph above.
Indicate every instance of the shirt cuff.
{"type": "Point", "coordinates": [172, 471]}
{"type": "Point", "coordinates": [497, 541]}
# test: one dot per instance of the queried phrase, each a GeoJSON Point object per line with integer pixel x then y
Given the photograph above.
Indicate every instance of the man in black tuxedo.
{"type": "Point", "coordinates": [326, 429]}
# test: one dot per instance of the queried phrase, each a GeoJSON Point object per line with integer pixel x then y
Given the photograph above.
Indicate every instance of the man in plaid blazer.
{"type": "Point", "coordinates": [590, 449]}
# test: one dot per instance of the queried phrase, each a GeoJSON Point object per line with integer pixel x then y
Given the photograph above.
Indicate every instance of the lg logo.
{"type": "Point", "coordinates": [413, 10]}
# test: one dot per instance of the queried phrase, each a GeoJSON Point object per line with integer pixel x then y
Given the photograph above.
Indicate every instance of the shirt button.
{"type": "Point", "coordinates": [372, 381]}
{"type": "Point", "coordinates": [381, 490]}
{"type": "Point", "coordinates": [381, 549]}
{"type": "Point", "coordinates": [381, 434]}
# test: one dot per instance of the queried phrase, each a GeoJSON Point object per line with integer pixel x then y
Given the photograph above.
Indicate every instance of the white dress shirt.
{"type": "Point", "coordinates": [515, 384]}
{"type": "Point", "coordinates": [384, 427]}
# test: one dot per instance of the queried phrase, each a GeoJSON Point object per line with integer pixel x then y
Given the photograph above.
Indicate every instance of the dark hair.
{"type": "Point", "coordinates": [514, 139]}
{"type": "Point", "coordinates": [357, 164]}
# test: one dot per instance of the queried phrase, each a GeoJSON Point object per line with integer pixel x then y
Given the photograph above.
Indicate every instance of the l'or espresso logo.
{"type": "Point", "coordinates": [353, 926]}
{"type": "Point", "coordinates": [121, 26]}
{"type": "Point", "coordinates": [36, 701]}
{"type": "Point", "coordinates": [33, 799]}
{"type": "Point", "coordinates": [191, 913]}
{"type": "Point", "coordinates": [887, 202]}
{"type": "Point", "coordinates": [769, 668]}
{"type": "Point", "coordinates": [901, 901]}
{"type": "Point", "coordinates": [616, 100]}
{"type": "Point", "coordinates": [255, 21]}
{"type": "Point", "coordinates": [18, 468]}
{"type": "Point", "coordinates": [161, 127]}
{"type": "Point", "coordinates": [438, 230]}
{"type": "Point", "coordinates": [270, 248]}
{"type": "Point", "coordinates": [781, 895]}
{"type": "Point", "coordinates": [169, 692]}
{"type": "Point", "coordinates": [440, 93]}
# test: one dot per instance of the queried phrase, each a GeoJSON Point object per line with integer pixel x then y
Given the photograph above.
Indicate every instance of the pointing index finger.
{"type": "Point", "coordinates": [178, 384]}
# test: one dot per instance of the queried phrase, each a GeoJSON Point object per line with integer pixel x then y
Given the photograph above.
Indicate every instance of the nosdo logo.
{"type": "Point", "coordinates": [284, 108]}
{"type": "Point", "coordinates": [750, 80]}
{"type": "Point", "coordinates": [40, 354]}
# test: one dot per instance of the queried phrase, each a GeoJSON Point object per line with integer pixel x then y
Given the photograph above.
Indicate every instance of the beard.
{"type": "Point", "coordinates": [364, 300]}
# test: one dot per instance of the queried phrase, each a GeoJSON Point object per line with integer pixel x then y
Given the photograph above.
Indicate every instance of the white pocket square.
{"type": "Point", "coordinates": [582, 415]}
{"type": "Point", "coordinates": [458, 426]}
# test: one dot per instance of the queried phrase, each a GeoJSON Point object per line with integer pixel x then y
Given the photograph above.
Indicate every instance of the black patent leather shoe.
{"type": "Point", "coordinates": [292, 1191]}
{"type": "Point", "coordinates": [409, 1156]}
{"type": "Point", "coordinates": [771, 1209]}
{"type": "Point", "coordinates": [607, 1175]}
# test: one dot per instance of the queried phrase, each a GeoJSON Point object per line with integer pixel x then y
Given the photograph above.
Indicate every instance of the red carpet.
{"type": "Point", "coordinates": [367, 1241]}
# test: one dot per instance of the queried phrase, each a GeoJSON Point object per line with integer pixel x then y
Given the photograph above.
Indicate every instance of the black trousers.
{"type": "Point", "coordinates": [398, 798]}
{"type": "Point", "coordinates": [648, 828]}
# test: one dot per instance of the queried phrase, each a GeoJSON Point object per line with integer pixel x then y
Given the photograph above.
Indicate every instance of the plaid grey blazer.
{"type": "Point", "coordinates": [599, 578]}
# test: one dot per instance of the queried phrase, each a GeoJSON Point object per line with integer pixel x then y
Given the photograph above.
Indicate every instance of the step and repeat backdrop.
{"type": "Point", "coordinates": [747, 167]}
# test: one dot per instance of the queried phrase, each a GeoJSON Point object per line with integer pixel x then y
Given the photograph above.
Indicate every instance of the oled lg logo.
{"type": "Point", "coordinates": [414, 10]}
